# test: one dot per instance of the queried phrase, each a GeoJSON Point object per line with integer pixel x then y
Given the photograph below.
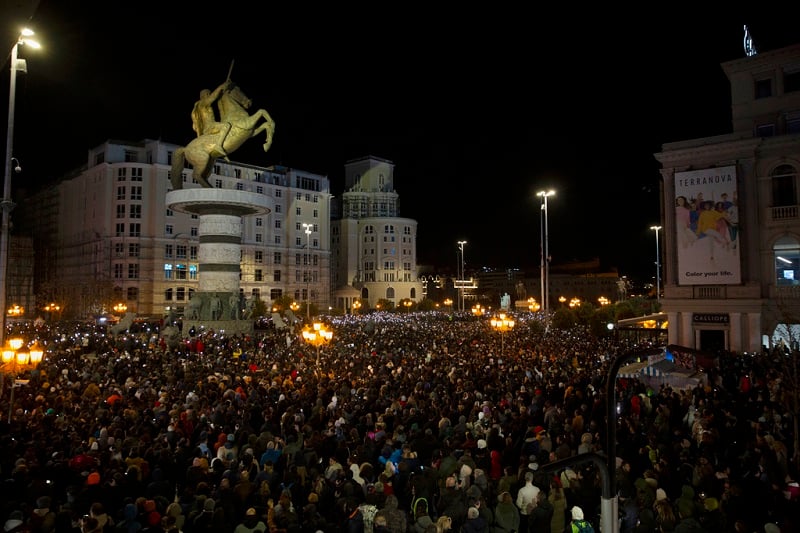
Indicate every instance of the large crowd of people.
{"type": "Point", "coordinates": [406, 422]}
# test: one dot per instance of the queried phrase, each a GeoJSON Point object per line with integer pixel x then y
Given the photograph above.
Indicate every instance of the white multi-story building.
{"type": "Point", "coordinates": [375, 250]}
{"type": "Point", "coordinates": [731, 218]}
{"type": "Point", "coordinates": [108, 236]}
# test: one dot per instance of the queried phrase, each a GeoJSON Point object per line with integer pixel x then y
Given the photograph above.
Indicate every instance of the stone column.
{"type": "Point", "coordinates": [220, 212]}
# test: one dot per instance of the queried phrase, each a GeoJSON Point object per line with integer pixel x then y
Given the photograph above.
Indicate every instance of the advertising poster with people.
{"type": "Point", "coordinates": [707, 227]}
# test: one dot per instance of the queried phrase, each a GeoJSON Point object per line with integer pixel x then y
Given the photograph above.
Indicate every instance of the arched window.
{"type": "Point", "coordinates": [390, 293]}
{"type": "Point", "coordinates": [787, 261]}
{"type": "Point", "coordinates": [413, 293]}
{"type": "Point", "coordinates": [784, 186]}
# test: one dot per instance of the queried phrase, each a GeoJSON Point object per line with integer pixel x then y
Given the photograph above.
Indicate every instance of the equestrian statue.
{"type": "Point", "coordinates": [218, 138]}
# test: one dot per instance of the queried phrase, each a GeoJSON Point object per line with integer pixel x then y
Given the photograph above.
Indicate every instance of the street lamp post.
{"type": "Point", "coordinates": [6, 204]}
{"type": "Point", "coordinates": [502, 323]}
{"type": "Point", "coordinates": [461, 276]}
{"type": "Point", "coordinates": [16, 358]}
{"type": "Point", "coordinates": [658, 265]}
{"type": "Point", "coordinates": [316, 335]}
{"type": "Point", "coordinates": [449, 303]}
{"type": "Point", "coordinates": [307, 228]}
{"type": "Point", "coordinates": [544, 249]}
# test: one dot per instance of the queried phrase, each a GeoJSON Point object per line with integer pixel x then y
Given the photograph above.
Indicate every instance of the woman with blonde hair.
{"type": "Point", "coordinates": [665, 515]}
{"type": "Point", "coordinates": [444, 523]}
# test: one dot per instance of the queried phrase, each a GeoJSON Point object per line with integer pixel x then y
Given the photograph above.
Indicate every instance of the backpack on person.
{"type": "Point", "coordinates": [582, 526]}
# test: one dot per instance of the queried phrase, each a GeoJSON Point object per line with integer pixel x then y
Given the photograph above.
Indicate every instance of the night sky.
{"type": "Point", "coordinates": [478, 108]}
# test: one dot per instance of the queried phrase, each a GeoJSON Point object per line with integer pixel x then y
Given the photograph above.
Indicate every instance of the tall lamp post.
{"type": "Point", "coordinates": [17, 358]}
{"type": "Point", "coordinates": [502, 323]}
{"type": "Point", "coordinates": [545, 252]}
{"type": "Point", "coordinates": [6, 204]}
{"type": "Point", "coordinates": [658, 265]}
{"type": "Point", "coordinates": [316, 335]}
{"type": "Point", "coordinates": [307, 228]}
{"type": "Point", "coordinates": [461, 276]}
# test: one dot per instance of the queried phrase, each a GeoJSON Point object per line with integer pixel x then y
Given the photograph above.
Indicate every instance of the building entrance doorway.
{"type": "Point", "coordinates": [712, 340]}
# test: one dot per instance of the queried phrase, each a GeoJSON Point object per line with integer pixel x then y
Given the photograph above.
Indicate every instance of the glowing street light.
{"type": "Point", "coordinates": [120, 308]}
{"type": "Point", "coordinates": [6, 204]}
{"type": "Point", "coordinates": [461, 276]}
{"type": "Point", "coordinates": [356, 307]}
{"type": "Point", "coordinates": [502, 323]}
{"type": "Point", "coordinates": [17, 358]}
{"type": "Point", "coordinates": [658, 265]}
{"type": "Point", "coordinates": [533, 305]}
{"type": "Point", "coordinates": [478, 310]}
{"type": "Point", "coordinates": [407, 304]}
{"type": "Point", "coordinates": [449, 303]}
{"type": "Point", "coordinates": [317, 335]}
{"type": "Point", "coordinates": [544, 249]}
{"type": "Point", "coordinates": [307, 228]}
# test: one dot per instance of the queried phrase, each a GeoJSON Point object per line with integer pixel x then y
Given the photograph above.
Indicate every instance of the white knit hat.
{"type": "Point", "coordinates": [577, 513]}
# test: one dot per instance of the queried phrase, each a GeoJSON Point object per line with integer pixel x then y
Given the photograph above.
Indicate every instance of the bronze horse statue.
{"type": "Point", "coordinates": [203, 151]}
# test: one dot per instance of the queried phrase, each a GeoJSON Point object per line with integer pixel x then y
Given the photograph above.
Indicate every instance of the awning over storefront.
{"type": "Point", "coordinates": [657, 372]}
{"type": "Point", "coordinates": [633, 370]}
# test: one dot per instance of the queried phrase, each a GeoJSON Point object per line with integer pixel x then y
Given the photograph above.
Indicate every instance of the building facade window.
{"type": "Point", "coordinates": [786, 252]}
{"type": "Point", "coordinates": [784, 186]}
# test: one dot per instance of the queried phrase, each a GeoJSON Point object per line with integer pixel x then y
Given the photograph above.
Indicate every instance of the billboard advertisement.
{"type": "Point", "coordinates": [707, 227]}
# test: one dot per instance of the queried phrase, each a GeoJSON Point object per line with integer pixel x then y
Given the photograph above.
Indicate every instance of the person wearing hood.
{"type": "Point", "coordinates": [129, 522]}
{"type": "Point", "coordinates": [396, 520]}
{"type": "Point", "coordinates": [506, 514]}
{"type": "Point", "coordinates": [686, 505]}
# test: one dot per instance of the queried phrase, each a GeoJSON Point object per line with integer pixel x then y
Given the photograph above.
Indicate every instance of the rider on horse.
{"type": "Point", "coordinates": [204, 120]}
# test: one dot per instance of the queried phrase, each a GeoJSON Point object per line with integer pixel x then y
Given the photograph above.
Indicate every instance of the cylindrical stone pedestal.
{"type": "Point", "coordinates": [216, 304]}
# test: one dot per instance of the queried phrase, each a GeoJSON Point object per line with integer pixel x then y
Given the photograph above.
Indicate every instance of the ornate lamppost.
{"type": "Point", "coordinates": [502, 323]}
{"type": "Point", "coordinates": [17, 357]}
{"type": "Point", "coordinates": [317, 334]}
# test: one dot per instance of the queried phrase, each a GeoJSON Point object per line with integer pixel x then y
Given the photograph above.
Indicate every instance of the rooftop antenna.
{"type": "Point", "coordinates": [749, 47]}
